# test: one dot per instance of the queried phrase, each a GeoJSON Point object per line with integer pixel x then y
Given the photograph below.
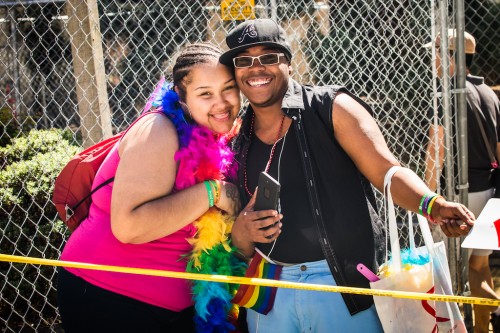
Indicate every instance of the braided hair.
{"type": "Point", "coordinates": [190, 56]}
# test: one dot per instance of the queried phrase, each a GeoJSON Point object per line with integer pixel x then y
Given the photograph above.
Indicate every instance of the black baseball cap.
{"type": "Point", "coordinates": [258, 32]}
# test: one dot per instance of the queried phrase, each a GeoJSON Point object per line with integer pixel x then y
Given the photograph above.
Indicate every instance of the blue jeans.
{"type": "Point", "coordinates": [297, 310]}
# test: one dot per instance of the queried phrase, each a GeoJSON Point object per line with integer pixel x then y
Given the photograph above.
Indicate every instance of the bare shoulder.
{"type": "Point", "coordinates": [344, 103]}
{"type": "Point", "coordinates": [147, 165]}
{"type": "Point", "coordinates": [152, 130]}
{"type": "Point", "coordinates": [348, 112]}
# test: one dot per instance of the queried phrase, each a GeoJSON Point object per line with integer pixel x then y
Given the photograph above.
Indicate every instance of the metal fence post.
{"type": "Point", "coordinates": [463, 167]}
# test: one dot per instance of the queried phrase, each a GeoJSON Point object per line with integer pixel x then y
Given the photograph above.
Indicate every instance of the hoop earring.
{"type": "Point", "coordinates": [186, 107]}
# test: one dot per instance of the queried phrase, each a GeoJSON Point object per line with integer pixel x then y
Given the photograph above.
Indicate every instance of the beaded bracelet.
{"type": "Point", "coordinates": [210, 193]}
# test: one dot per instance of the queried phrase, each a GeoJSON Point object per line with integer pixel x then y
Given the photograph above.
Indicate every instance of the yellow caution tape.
{"type": "Point", "coordinates": [252, 281]}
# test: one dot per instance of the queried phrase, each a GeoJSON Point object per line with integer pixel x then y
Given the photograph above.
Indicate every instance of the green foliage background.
{"type": "Point", "coordinates": [29, 166]}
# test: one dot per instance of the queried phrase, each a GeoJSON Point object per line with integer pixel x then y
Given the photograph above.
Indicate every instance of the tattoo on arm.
{"type": "Point", "coordinates": [232, 193]}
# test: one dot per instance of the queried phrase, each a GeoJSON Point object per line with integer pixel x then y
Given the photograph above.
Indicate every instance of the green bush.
{"type": "Point", "coordinates": [9, 127]}
{"type": "Point", "coordinates": [29, 223]}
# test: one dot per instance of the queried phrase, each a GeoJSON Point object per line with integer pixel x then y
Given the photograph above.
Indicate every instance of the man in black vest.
{"type": "Point", "coordinates": [483, 151]}
{"type": "Point", "coordinates": [321, 144]}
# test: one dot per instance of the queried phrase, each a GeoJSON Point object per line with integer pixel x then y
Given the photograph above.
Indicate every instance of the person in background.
{"type": "Point", "coordinates": [482, 155]}
{"type": "Point", "coordinates": [322, 144]}
{"type": "Point", "coordinates": [168, 171]}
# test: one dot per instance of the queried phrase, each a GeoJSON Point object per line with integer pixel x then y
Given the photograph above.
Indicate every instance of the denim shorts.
{"type": "Point", "coordinates": [311, 311]}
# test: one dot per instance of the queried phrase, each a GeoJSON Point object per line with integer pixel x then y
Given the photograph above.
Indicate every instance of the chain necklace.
{"type": "Point", "coordinates": [268, 165]}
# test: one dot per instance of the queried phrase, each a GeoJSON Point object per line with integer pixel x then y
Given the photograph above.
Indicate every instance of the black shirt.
{"type": "Point", "coordinates": [298, 241]}
{"type": "Point", "coordinates": [479, 169]}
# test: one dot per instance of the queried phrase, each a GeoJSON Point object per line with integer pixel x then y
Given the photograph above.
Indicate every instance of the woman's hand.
{"type": "Point", "coordinates": [229, 198]}
{"type": "Point", "coordinates": [454, 218]}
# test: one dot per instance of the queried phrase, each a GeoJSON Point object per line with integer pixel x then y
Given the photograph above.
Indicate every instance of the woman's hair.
{"type": "Point", "coordinates": [190, 56]}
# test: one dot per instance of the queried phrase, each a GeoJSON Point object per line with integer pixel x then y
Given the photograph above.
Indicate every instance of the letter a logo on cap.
{"type": "Point", "coordinates": [248, 31]}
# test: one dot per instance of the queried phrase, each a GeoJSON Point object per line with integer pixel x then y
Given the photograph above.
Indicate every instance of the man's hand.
{"type": "Point", "coordinates": [454, 218]}
{"type": "Point", "coordinates": [252, 227]}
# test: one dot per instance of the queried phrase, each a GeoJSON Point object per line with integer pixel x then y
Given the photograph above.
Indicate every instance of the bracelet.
{"type": "Point", "coordinates": [210, 193]}
{"type": "Point", "coordinates": [421, 205]}
{"type": "Point", "coordinates": [423, 208]}
{"type": "Point", "coordinates": [218, 192]}
{"type": "Point", "coordinates": [216, 187]}
{"type": "Point", "coordinates": [431, 204]}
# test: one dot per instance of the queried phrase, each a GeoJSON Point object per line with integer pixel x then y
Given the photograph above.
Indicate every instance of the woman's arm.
{"type": "Point", "coordinates": [432, 166]}
{"type": "Point", "coordinates": [143, 207]}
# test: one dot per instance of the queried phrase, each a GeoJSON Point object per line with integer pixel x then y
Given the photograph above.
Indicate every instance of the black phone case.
{"type": "Point", "coordinates": [268, 193]}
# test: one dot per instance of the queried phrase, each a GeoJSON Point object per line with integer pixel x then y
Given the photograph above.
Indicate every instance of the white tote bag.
{"type": "Point", "coordinates": [399, 315]}
{"type": "Point", "coordinates": [448, 316]}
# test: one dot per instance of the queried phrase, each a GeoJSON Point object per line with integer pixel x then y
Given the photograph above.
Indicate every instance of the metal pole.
{"type": "Point", "coordinates": [27, 2]}
{"type": "Point", "coordinates": [274, 10]}
{"type": "Point", "coordinates": [461, 107]}
{"type": "Point", "coordinates": [446, 98]}
{"type": "Point", "coordinates": [44, 102]}
{"type": "Point", "coordinates": [463, 166]}
{"type": "Point", "coordinates": [15, 59]}
{"type": "Point", "coordinates": [448, 139]}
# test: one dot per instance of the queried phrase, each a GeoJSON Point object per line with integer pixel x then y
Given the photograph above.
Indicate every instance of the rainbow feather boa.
{"type": "Point", "coordinates": [203, 157]}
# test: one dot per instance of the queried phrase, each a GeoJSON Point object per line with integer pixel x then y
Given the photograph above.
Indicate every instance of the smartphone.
{"type": "Point", "coordinates": [268, 192]}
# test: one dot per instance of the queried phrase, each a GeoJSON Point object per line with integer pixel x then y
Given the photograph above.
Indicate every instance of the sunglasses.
{"type": "Point", "coordinates": [264, 59]}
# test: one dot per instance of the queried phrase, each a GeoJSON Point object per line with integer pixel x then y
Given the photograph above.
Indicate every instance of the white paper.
{"type": "Point", "coordinates": [484, 234]}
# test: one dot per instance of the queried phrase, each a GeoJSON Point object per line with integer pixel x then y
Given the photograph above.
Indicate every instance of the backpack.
{"type": "Point", "coordinates": [72, 194]}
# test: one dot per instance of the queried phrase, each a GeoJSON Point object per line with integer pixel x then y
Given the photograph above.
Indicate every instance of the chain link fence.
{"type": "Point", "coordinates": [48, 112]}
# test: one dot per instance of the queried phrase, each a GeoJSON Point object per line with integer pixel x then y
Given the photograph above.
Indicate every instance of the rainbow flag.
{"type": "Point", "coordinates": [257, 298]}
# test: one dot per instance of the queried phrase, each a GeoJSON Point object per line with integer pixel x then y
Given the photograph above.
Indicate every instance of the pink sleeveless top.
{"type": "Point", "coordinates": [93, 242]}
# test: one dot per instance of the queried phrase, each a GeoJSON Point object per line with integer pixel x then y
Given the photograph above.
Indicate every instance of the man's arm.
{"type": "Point", "coordinates": [359, 135]}
{"type": "Point", "coordinates": [432, 167]}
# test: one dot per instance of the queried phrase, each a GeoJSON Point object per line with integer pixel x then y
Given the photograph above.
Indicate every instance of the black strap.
{"type": "Point", "coordinates": [104, 183]}
{"type": "Point", "coordinates": [476, 109]}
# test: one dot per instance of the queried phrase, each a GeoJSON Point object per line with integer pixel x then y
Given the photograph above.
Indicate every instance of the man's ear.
{"type": "Point", "coordinates": [290, 69]}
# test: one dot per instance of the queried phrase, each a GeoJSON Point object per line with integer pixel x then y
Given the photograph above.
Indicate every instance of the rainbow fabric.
{"type": "Point", "coordinates": [258, 298]}
{"type": "Point", "coordinates": [203, 156]}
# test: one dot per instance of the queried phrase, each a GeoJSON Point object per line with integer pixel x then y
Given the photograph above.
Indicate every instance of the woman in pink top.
{"type": "Point", "coordinates": [144, 218]}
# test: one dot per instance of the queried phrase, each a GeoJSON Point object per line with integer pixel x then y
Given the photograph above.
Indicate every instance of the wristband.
{"type": "Point", "coordinates": [421, 205]}
{"type": "Point", "coordinates": [210, 193]}
{"type": "Point", "coordinates": [431, 204]}
{"type": "Point", "coordinates": [425, 205]}
{"type": "Point", "coordinates": [218, 191]}
{"type": "Point", "coordinates": [216, 187]}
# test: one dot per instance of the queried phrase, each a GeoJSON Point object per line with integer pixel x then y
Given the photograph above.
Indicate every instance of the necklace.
{"type": "Point", "coordinates": [268, 165]}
